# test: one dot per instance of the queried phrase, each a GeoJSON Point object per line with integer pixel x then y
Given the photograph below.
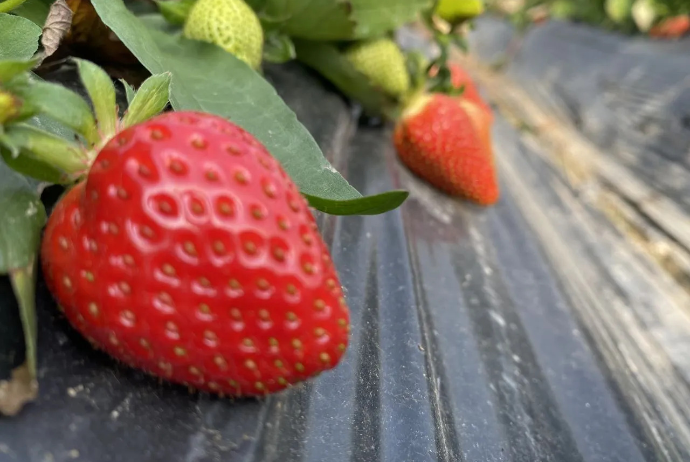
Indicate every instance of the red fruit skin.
{"type": "Point", "coordinates": [671, 28]}
{"type": "Point", "coordinates": [189, 253]}
{"type": "Point", "coordinates": [444, 145]}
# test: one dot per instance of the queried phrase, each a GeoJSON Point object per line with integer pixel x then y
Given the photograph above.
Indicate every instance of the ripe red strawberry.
{"type": "Point", "coordinates": [460, 77]}
{"type": "Point", "coordinates": [189, 253]}
{"type": "Point", "coordinates": [672, 28]}
{"type": "Point", "coordinates": [442, 139]}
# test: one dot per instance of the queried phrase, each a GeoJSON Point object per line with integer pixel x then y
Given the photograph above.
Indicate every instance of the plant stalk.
{"type": "Point", "coordinates": [24, 283]}
{"type": "Point", "coordinates": [9, 5]}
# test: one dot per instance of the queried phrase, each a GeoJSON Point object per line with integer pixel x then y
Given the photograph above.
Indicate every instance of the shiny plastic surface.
{"type": "Point", "coordinates": [503, 334]}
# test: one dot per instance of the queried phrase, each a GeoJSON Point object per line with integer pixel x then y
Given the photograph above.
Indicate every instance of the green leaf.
{"type": "Point", "coordinates": [327, 60]}
{"type": "Point", "coordinates": [21, 220]}
{"type": "Point", "coordinates": [18, 37]}
{"type": "Point", "coordinates": [24, 286]}
{"type": "Point", "coordinates": [61, 104]}
{"type": "Point", "coordinates": [310, 19]}
{"type": "Point", "coordinates": [35, 11]}
{"type": "Point", "coordinates": [175, 11]}
{"type": "Point", "coordinates": [52, 126]}
{"type": "Point", "coordinates": [9, 69]}
{"type": "Point", "coordinates": [101, 91]}
{"type": "Point", "coordinates": [257, 5]}
{"type": "Point", "coordinates": [375, 17]}
{"type": "Point", "coordinates": [129, 91]}
{"type": "Point", "coordinates": [150, 100]}
{"type": "Point", "coordinates": [417, 65]}
{"type": "Point", "coordinates": [369, 205]}
{"type": "Point", "coordinates": [328, 20]}
{"type": "Point", "coordinates": [278, 48]}
{"type": "Point", "coordinates": [205, 78]}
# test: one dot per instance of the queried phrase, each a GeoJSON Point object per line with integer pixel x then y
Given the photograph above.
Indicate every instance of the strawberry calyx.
{"type": "Point", "coordinates": [32, 150]}
{"type": "Point", "coordinates": [416, 104]}
{"type": "Point", "coordinates": [446, 22]}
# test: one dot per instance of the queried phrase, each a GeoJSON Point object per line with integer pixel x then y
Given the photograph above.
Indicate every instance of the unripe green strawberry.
{"type": "Point", "coordinates": [382, 62]}
{"type": "Point", "coordinates": [230, 24]}
{"type": "Point", "coordinates": [458, 10]}
{"type": "Point", "coordinates": [618, 10]}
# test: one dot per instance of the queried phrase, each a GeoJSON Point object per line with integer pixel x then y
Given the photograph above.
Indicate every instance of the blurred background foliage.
{"type": "Point", "coordinates": [627, 16]}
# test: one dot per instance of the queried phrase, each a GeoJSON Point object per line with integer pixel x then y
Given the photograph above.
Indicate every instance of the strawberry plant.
{"type": "Point", "coordinates": [443, 132]}
{"type": "Point", "coordinates": [442, 122]}
{"type": "Point", "coordinates": [231, 236]}
{"type": "Point", "coordinates": [383, 65]}
{"type": "Point", "coordinates": [190, 206]}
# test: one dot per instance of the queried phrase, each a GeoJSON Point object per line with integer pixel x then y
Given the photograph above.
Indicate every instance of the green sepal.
{"type": "Point", "coordinates": [11, 69]}
{"type": "Point", "coordinates": [58, 103]}
{"type": "Point", "coordinates": [278, 48]}
{"type": "Point", "coordinates": [151, 98]}
{"type": "Point", "coordinates": [417, 66]}
{"type": "Point", "coordinates": [129, 91]}
{"type": "Point", "coordinates": [101, 91]}
{"type": "Point", "coordinates": [23, 139]}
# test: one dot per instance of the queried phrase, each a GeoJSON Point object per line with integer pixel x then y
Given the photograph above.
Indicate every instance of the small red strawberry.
{"type": "Point", "coordinates": [189, 253]}
{"type": "Point", "coordinates": [671, 28]}
{"type": "Point", "coordinates": [444, 140]}
{"type": "Point", "coordinates": [459, 77]}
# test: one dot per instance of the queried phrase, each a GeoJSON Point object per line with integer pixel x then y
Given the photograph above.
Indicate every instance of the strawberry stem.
{"type": "Point", "coordinates": [24, 283]}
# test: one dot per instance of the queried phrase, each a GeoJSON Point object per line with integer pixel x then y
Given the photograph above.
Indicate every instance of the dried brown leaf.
{"type": "Point", "coordinates": [19, 390]}
{"type": "Point", "coordinates": [56, 27]}
{"type": "Point", "coordinates": [90, 38]}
